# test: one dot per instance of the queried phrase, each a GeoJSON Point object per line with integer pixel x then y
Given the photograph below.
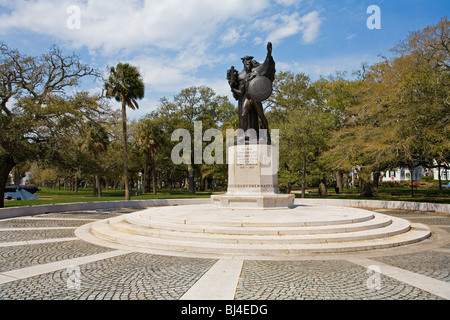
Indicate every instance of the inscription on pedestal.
{"type": "Point", "coordinates": [252, 179]}
{"type": "Point", "coordinates": [252, 186]}
{"type": "Point", "coordinates": [247, 157]}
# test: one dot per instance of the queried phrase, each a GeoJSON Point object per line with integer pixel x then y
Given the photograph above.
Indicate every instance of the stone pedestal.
{"type": "Point", "coordinates": [253, 179]}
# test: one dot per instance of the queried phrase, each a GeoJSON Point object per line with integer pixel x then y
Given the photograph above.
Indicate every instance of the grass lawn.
{"type": "Point", "coordinates": [421, 194]}
{"type": "Point", "coordinates": [52, 196]}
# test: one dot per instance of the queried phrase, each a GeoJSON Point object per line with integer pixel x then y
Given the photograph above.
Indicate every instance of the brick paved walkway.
{"type": "Point", "coordinates": [40, 258]}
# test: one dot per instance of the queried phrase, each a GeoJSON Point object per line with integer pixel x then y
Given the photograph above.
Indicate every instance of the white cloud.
{"type": "Point", "coordinates": [162, 70]}
{"type": "Point", "coordinates": [258, 40]}
{"type": "Point", "coordinates": [310, 26]}
{"type": "Point", "coordinates": [281, 26]}
{"type": "Point", "coordinates": [289, 26]}
{"type": "Point", "coordinates": [230, 37]}
{"type": "Point", "coordinates": [288, 2]}
{"type": "Point", "coordinates": [170, 40]}
{"type": "Point", "coordinates": [116, 24]}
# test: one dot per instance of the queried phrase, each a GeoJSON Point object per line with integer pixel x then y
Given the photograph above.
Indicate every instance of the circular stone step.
{"type": "Point", "coordinates": [138, 226]}
{"type": "Point", "coordinates": [258, 239]}
{"type": "Point", "coordinates": [204, 230]}
{"type": "Point", "coordinates": [300, 215]}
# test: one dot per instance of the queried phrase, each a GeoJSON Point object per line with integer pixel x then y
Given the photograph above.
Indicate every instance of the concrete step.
{"type": "Point", "coordinates": [103, 230]}
{"type": "Point", "coordinates": [270, 235]}
{"type": "Point", "coordinates": [205, 215]}
{"type": "Point", "coordinates": [202, 230]}
{"type": "Point", "coordinates": [260, 228]}
{"type": "Point", "coordinates": [224, 233]}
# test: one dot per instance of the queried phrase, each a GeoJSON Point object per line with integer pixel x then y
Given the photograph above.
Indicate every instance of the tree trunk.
{"type": "Point", "coordinates": [412, 181]}
{"type": "Point", "coordinates": [323, 189]}
{"type": "Point", "coordinates": [339, 178]}
{"type": "Point", "coordinates": [439, 178]}
{"type": "Point", "coordinates": [304, 175]}
{"type": "Point", "coordinates": [7, 164]}
{"type": "Point", "coordinates": [366, 188]}
{"type": "Point", "coordinates": [353, 178]}
{"type": "Point", "coordinates": [191, 179]}
{"type": "Point", "coordinates": [202, 183]}
{"type": "Point", "coordinates": [145, 180]}
{"type": "Point", "coordinates": [153, 175]}
{"type": "Point", "coordinates": [376, 180]}
{"type": "Point", "coordinates": [345, 182]}
{"type": "Point", "coordinates": [99, 185]}
{"type": "Point", "coordinates": [17, 176]}
{"type": "Point", "coordinates": [125, 150]}
{"type": "Point", "coordinates": [94, 187]}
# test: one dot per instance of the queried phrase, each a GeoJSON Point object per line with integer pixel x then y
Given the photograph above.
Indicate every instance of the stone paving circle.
{"type": "Point", "coordinates": [41, 258]}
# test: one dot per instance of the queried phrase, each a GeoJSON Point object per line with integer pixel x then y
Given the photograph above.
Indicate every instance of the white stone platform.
{"type": "Point", "coordinates": [207, 231]}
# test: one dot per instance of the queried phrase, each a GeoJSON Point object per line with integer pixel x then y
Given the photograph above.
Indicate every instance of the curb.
{"type": "Point", "coordinates": [379, 204]}
{"type": "Point", "coordinates": [6, 213]}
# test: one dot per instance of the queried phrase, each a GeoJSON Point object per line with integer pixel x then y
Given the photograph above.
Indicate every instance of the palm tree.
{"type": "Point", "coordinates": [149, 139]}
{"type": "Point", "coordinates": [97, 142]}
{"type": "Point", "coordinates": [125, 84]}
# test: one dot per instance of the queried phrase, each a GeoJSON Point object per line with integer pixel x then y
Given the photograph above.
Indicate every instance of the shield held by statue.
{"type": "Point", "coordinates": [260, 88]}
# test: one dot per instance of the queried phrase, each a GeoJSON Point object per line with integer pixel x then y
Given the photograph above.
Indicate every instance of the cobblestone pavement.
{"type": "Point", "coordinates": [429, 263]}
{"type": "Point", "coordinates": [131, 276]}
{"type": "Point", "coordinates": [18, 257]}
{"type": "Point", "coordinates": [329, 279]}
{"type": "Point", "coordinates": [137, 275]}
{"type": "Point", "coordinates": [27, 235]}
{"type": "Point", "coordinates": [36, 223]}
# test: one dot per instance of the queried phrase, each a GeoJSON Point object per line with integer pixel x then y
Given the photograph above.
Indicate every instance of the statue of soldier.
{"type": "Point", "coordinates": [250, 87]}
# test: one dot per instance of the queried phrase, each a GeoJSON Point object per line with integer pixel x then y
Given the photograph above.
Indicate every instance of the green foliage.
{"type": "Point", "coordinates": [190, 105]}
{"type": "Point", "coordinates": [125, 85]}
{"type": "Point", "coordinates": [31, 125]}
{"type": "Point", "coordinates": [400, 118]}
{"type": "Point", "coordinates": [393, 114]}
{"type": "Point", "coordinates": [299, 113]}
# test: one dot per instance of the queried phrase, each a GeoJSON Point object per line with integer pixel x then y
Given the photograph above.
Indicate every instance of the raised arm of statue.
{"type": "Point", "coordinates": [267, 68]}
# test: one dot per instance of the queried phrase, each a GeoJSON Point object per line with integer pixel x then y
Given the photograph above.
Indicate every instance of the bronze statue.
{"type": "Point", "coordinates": [250, 87]}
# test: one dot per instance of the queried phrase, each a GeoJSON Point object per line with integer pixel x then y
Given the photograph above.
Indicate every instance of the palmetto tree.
{"type": "Point", "coordinates": [96, 140]}
{"type": "Point", "coordinates": [125, 84]}
{"type": "Point", "coordinates": [150, 140]}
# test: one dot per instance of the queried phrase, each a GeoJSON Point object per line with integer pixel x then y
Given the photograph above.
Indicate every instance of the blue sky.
{"type": "Point", "coordinates": [182, 43]}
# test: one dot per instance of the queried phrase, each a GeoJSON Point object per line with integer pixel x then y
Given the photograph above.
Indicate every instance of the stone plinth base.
{"type": "Point", "coordinates": [253, 179]}
{"type": "Point", "coordinates": [253, 201]}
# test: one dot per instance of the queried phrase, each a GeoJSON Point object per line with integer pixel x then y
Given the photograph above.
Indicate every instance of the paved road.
{"type": "Point", "coordinates": [40, 258]}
